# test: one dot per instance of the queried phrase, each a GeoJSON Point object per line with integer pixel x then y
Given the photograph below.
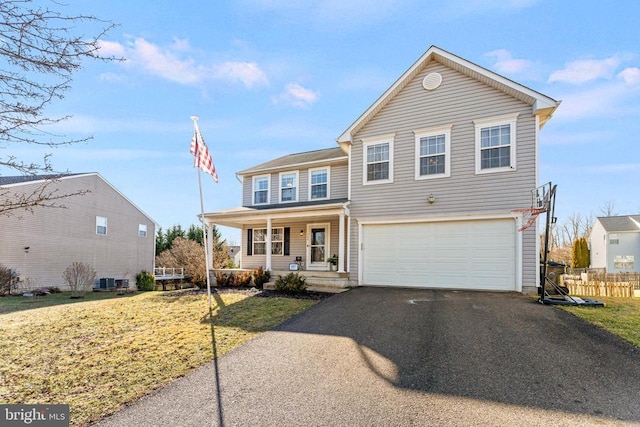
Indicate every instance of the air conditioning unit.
{"type": "Point", "coordinates": [107, 282]}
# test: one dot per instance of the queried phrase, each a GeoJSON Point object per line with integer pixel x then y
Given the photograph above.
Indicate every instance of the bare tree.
{"type": "Point", "coordinates": [608, 209]}
{"type": "Point", "coordinates": [79, 276]}
{"type": "Point", "coordinates": [40, 53]}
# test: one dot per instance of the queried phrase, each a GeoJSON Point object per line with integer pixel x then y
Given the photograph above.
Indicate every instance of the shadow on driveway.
{"type": "Point", "coordinates": [501, 347]}
{"type": "Point", "coordinates": [405, 357]}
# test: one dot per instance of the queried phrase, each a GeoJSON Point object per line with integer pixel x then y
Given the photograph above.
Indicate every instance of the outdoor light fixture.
{"type": "Point", "coordinates": [431, 199]}
{"type": "Point", "coordinates": [26, 249]}
{"type": "Point", "coordinates": [301, 233]}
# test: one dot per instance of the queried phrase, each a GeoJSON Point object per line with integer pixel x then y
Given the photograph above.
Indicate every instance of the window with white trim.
{"type": "Point", "coordinates": [260, 241]}
{"type": "Point", "coordinates": [142, 230]}
{"type": "Point", "coordinates": [319, 183]}
{"type": "Point", "coordinates": [496, 144]}
{"type": "Point", "coordinates": [289, 187]}
{"type": "Point", "coordinates": [433, 158]}
{"type": "Point", "coordinates": [101, 225]}
{"type": "Point", "coordinates": [378, 160]}
{"type": "Point", "coordinates": [260, 191]}
{"type": "Point", "coordinates": [613, 239]}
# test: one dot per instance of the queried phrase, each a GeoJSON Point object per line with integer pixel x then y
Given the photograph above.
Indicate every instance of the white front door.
{"type": "Point", "coordinates": [317, 246]}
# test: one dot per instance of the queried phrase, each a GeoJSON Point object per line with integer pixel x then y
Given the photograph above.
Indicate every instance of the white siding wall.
{"type": "Point", "coordinates": [458, 101]}
{"type": "Point", "coordinates": [57, 237]}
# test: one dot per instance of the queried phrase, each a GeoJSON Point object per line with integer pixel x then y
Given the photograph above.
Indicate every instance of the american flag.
{"type": "Point", "coordinates": [202, 159]}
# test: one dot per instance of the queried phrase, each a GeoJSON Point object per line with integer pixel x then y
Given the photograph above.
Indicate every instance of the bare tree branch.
{"type": "Point", "coordinates": [40, 50]}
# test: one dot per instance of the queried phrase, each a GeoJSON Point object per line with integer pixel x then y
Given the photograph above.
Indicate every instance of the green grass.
{"type": "Point", "coordinates": [98, 355]}
{"type": "Point", "coordinates": [620, 316]}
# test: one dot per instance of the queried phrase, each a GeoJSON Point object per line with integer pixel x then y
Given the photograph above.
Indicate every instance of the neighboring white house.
{"type": "Point", "coordinates": [615, 243]}
{"type": "Point", "coordinates": [101, 228]}
{"type": "Point", "coordinates": [419, 192]}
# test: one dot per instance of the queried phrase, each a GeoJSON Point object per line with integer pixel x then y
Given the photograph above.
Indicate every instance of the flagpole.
{"type": "Point", "coordinates": [202, 222]}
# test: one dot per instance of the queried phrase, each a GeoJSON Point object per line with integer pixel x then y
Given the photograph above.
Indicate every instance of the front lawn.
{"type": "Point", "coordinates": [621, 316]}
{"type": "Point", "coordinates": [98, 355]}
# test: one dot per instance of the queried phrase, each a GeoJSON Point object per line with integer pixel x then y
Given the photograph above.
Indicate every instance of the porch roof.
{"type": "Point", "coordinates": [245, 215]}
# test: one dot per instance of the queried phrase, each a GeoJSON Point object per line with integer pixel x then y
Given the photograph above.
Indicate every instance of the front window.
{"type": "Point", "coordinates": [289, 187]}
{"type": "Point", "coordinates": [261, 190]}
{"type": "Point", "coordinates": [260, 241]}
{"type": "Point", "coordinates": [319, 184]}
{"type": "Point", "coordinates": [432, 149]}
{"type": "Point", "coordinates": [101, 225]}
{"type": "Point", "coordinates": [378, 160]}
{"type": "Point", "coordinates": [495, 144]}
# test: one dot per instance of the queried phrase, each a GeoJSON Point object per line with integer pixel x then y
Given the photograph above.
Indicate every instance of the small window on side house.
{"type": "Point", "coordinates": [101, 225]}
{"type": "Point", "coordinates": [496, 144]}
{"type": "Point", "coordinates": [142, 230]}
{"type": "Point", "coordinates": [613, 239]}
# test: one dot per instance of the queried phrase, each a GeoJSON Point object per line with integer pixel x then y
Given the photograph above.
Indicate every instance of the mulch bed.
{"type": "Point", "coordinates": [259, 293]}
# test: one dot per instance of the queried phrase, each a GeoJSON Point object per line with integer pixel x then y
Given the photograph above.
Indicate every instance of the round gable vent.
{"type": "Point", "coordinates": [432, 81]}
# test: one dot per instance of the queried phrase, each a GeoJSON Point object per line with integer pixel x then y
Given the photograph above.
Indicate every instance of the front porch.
{"type": "Point", "coordinates": [317, 281]}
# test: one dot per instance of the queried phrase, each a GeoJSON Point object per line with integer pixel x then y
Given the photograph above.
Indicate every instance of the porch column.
{"type": "Point", "coordinates": [209, 243]}
{"type": "Point", "coordinates": [341, 244]}
{"type": "Point", "coordinates": [268, 245]}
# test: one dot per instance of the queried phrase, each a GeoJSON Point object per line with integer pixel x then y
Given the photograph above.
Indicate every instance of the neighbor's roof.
{"type": "Point", "coordinates": [299, 159]}
{"type": "Point", "coordinates": [543, 105]}
{"type": "Point", "coordinates": [620, 223]}
{"type": "Point", "coordinates": [22, 179]}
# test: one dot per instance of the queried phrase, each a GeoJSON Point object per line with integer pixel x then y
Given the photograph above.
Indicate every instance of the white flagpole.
{"type": "Point", "coordinates": [205, 235]}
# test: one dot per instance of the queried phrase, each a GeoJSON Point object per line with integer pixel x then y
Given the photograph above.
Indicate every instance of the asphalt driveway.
{"type": "Point", "coordinates": [404, 357]}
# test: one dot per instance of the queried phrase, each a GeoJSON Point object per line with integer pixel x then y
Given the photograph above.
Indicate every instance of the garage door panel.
{"type": "Point", "coordinates": [460, 254]}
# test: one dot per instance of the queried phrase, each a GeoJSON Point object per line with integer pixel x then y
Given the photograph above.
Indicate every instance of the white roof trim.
{"type": "Point", "coordinates": [543, 105]}
{"type": "Point", "coordinates": [82, 175]}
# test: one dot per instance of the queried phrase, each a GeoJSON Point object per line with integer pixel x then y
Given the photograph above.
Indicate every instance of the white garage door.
{"type": "Point", "coordinates": [460, 254]}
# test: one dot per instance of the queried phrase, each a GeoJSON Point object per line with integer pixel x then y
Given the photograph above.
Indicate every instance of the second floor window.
{"type": "Point", "coordinates": [289, 187]}
{"type": "Point", "coordinates": [432, 152]}
{"type": "Point", "coordinates": [261, 190]}
{"type": "Point", "coordinates": [496, 144]}
{"type": "Point", "coordinates": [377, 159]}
{"type": "Point", "coordinates": [318, 184]}
{"type": "Point", "coordinates": [142, 230]}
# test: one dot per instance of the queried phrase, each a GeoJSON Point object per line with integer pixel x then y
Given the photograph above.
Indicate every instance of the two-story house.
{"type": "Point", "coordinates": [420, 191]}
{"type": "Point", "coordinates": [99, 226]}
{"type": "Point", "coordinates": [615, 243]}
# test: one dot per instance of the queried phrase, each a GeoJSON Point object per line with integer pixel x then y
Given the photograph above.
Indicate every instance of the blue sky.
{"type": "Point", "coordinates": [272, 77]}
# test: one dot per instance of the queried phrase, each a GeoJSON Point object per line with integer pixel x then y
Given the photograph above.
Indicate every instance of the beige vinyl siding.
{"type": "Point", "coordinates": [458, 102]}
{"type": "Point", "coordinates": [338, 184]}
{"type": "Point", "coordinates": [57, 237]}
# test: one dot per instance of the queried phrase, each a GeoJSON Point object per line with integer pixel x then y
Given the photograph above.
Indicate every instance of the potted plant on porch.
{"type": "Point", "coordinates": [333, 262]}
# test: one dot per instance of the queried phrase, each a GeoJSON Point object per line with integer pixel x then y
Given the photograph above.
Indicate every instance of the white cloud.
{"type": "Point", "coordinates": [585, 70]}
{"type": "Point", "coordinates": [631, 76]}
{"type": "Point", "coordinates": [247, 72]}
{"type": "Point", "coordinates": [506, 64]}
{"type": "Point", "coordinates": [297, 96]}
{"type": "Point", "coordinates": [173, 63]}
